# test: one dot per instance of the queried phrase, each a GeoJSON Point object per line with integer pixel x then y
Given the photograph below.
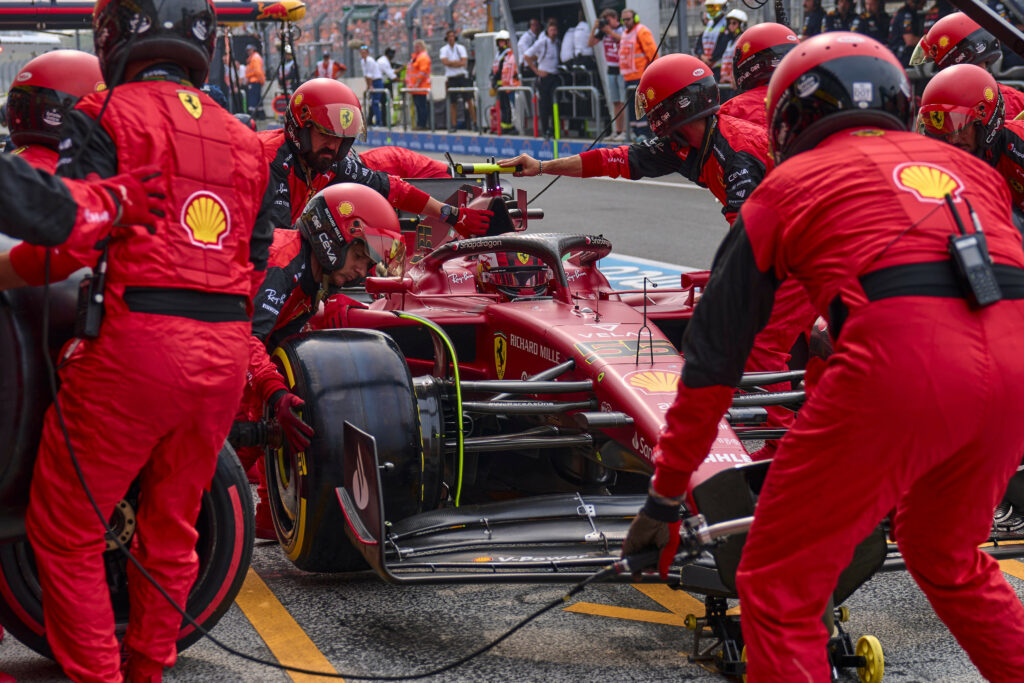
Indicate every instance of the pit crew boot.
{"type": "Point", "coordinates": [139, 668]}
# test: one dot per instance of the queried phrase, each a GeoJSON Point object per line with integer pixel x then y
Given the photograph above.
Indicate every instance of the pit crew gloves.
{"type": "Point", "coordinates": [296, 432]}
{"type": "Point", "coordinates": [137, 199]}
{"type": "Point", "coordinates": [469, 222]}
{"type": "Point", "coordinates": [656, 525]}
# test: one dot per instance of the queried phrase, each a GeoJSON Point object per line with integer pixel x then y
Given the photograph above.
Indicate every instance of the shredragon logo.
{"type": "Point", "coordinates": [206, 220]}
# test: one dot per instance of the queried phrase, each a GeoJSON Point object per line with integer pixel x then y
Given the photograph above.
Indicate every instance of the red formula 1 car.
{"type": "Point", "coordinates": [488, 414]}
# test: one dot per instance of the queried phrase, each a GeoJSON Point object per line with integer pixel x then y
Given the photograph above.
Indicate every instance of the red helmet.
{"type": "Point", "coordinates": [961, 96]}
{"type": "Point", "coordinates": [956, 39]}
{"type": "Point", "coordinates": [833, 81]}
{"type": "Point", "coordinates": [345, 213]}
{"type": "Point", "coordinates": [328, 105]}
{"type": "Point", "coordinates": [675, 90]}
{"type": "Point", "coordinates": [514, 275]}
{"type": "Point", "coordinates": [759, 50]}
{"type": "Point", "coordinates": [45, 91]}
{"type": "Point", "coordinates": [178, 31]}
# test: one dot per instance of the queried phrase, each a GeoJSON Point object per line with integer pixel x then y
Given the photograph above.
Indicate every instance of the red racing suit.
{"type": "Point", "coordinates": [1008, 158]}
{"type": "Point", "coordinates": [153, 396]}
{"type": "Point", "coordinates": [748, 105]}
{"type": "Point", "coordinates": [294, 187]}
{"type": "Point", "coordinates": [40, 156]}
{"type": "Point", "coordinates": [731, 162]}
{"type": "Point", "coordinates": [403, 163]}
{"type": "Point", "coordinates": [917, 409]}
{"type": "Point", "coordinates": [1013, 101]}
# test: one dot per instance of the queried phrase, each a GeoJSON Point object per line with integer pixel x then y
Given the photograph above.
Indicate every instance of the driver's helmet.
{"type": "Point", "coordinates": [342, 214]}
{"type": "Point", "coordinates": [45, 91]}
{"type": "Point", "coordinates": [512, 274]}
{"type": "Point", "coordinates": [956, 39]}
{"type": "Point", "coordinates": [960, 96]}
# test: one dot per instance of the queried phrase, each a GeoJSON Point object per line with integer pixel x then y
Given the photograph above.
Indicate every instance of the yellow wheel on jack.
{"type": "Point", "coordinates": [843, 614]}
{"type": "Point", "coordinates": [870, 649]}
{"type": "Point", "coordinates": [743, 658]}
{"type": "Point", "coordinates": [690, 622]}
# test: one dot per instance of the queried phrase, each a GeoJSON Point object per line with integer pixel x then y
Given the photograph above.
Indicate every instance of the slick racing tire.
{"type": "Point", "coordinates": [224, 548]}
{"type": "Point", "coordinates": [358, 376]}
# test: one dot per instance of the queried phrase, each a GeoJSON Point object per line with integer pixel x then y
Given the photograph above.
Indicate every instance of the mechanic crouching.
{"type": "Point", "coordinates": [337, 241]}
{"type": "Point", "coordinates": [729, 156]}
{"type": "Point", "coordinates": [917, 412]}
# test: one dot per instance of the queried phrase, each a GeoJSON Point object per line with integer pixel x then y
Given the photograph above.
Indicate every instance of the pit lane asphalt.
{"type": "Point", "coordinates": [362, 625]}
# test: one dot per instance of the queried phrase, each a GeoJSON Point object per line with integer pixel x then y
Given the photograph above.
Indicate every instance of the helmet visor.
{"type": "Point", "coordinates": [338, 120]}
{"type": "Point", "coordinates": [942, 120]}
{"type": "Point", "coordinates": [920, 54]}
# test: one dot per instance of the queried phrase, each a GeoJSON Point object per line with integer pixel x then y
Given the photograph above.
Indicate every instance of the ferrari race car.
{"type": "Point", "coordinates": [488, 413]}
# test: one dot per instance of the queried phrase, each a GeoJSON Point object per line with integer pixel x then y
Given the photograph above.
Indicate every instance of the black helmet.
{"type": "Point", "coordinates": [178, 31]}
{"type": "Point", "coordinates": [833, 81]}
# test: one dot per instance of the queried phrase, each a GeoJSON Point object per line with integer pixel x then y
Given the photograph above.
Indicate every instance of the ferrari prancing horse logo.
{"type": "Point", "coordinates": [500, 354]}
{"type": "Point", "coordinates": [191, 102]}
{"type": "Point", "coordinates": [346, 116]}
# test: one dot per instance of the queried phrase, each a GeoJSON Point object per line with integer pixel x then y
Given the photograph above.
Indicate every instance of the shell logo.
{"type": "Point", "coordinates": [100, 86]}
{"type": "Point", "coordinates": [298, 99]}
{"type": "Point", "coordinates": [206, 220]}
{"type": "Point", "coordinates": [345, 208]}
{"type": "Point", "coordinates": [650, 93]}
{"type": "Point", "coordinates": [926, 182]}
{"type": "Point", "coordinates": [746, 47]}
{"type": "Point", "coordinates": [943, 41]}
{"type": "Point", "coordinates": [654, 381]}
{"type": "Point", "coordinates": [989, 95]}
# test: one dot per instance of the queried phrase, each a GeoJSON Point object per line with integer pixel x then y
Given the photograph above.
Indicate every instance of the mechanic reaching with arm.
{"type": "Point", "coordinates": [336, 241]}
{"type": "Point", "coordinates": [152, 395]}
{"type": "Point", "coordinates": [759, 50]}
{"type": "Point", "coordinates": [917, 410]}
{"type": "Point", "coordinates": [726, 155]}
{"type": "Point", "coordinates": [312, 152]}
{"type": "Point", "coordinates": [958, 39]}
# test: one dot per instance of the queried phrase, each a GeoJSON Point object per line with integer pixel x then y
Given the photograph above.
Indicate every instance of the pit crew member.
{"type": "Point", "coordinates": [152, 396]}
{"type": "Point", "coordinates": [958, 39]}
{"type": "Point", "coordinates": [312, 152]}
{"type": "Point", "coordinates": [403, 162]}
{"type": "Point", "coordinates": [728, 156]}
{"type": "Point", "coordinates": [337, 241]}
{"type": "Point", "coordinates": [758, 51]}
{"type": "Point", "coordinates": [856, 212]}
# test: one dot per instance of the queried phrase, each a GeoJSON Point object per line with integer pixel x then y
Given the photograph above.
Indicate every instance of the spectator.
{"type": "Point", "coordinates": [735, 24]}
{"type": "Point", "coordinates": [583, 51]}
{"type": "Point", "coordinates": [814, 19]}
{"type": "Point", "coordinates": [528, 38]}
{"type": "Point", "coordinates": [568, 46]}
{"type": "Point", "coordinates": [288, 73]}
{"type": "Point", "coordinates": [417, 79]}
{"type": "Point", "coordinates": [255, 77]}
{"type": "Point", "coordinates": [328, 68]}
{"type": "Point", "coordinates": [637, 50]}
{"type": "Point", "coordinates": [387, 69]}
{"type": "Point", "coordinates": [940, 9]}
{"type": "Point", "coordinates": [374, 81]}
{"type": "Point", "coordinates": [873, 21]}
{"type": "Point", "coordinates": [608, 31]}
{"type": "Point", "coordinates": [905, 30]}
{"type": "Point", "coordinates": [542, 58]}
{"type": "Point", "coordinates": [842, 17]}
{"type": "Point", "coordinates": [504, 73]}
{"type": "Point", "coordinates": [455, 60]}
{"type": "Point", "coordinates": [711, 48]}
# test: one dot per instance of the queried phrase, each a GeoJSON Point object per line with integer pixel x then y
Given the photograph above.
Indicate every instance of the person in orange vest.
{"type": "Point", "coordinates": [505, 74]}
{"type": "Point", "coordinates": [417, 76]}
{"type": "Point", "coordinates": [637, 49]}
{"type": "Point", "coordinates": [328, 68]}
{"type": "Point", "coordinates": [254, 79]}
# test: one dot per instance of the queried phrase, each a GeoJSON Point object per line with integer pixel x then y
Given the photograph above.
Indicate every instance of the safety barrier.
{"type": "Point", "coordinates": [405, 106]}
{"type": "Point", "coordinates": [385, 106]}
{"type": "Point", "coordinates": [519, 112]}
{"type": "Point", "coordinates": [595, 101]}
{"type": "Point", "coordinates": [448, 101]}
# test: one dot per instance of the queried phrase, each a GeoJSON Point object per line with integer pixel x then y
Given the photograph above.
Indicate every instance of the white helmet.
{"type": "Point", "coordinates": [737, 14]}
{"type": "Point", "coordinates": [501, 35]}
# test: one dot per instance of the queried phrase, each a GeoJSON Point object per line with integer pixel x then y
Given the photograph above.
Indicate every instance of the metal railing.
{"type": "Point", "coordinates": [519, 113]}
{"type": "Point", "coordinates": [385, 105]}
{"type": "Point", "coordinates": [405, 106]}
{"type": "Point", "coordinates": [448, 104]}
{"type": "Point", "coordinates": [595, 101]}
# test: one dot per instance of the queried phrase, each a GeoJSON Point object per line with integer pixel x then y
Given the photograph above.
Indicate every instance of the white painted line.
{"type": "Point", "coordinates": [661, 183]}
{"type": "Point", "coordinates": [651, 262]}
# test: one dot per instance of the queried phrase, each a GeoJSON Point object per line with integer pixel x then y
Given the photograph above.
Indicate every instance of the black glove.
{"type": "Point", "coordinates": [655, 526]}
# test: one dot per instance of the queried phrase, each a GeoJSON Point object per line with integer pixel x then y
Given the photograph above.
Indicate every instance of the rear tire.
{"type": "Point", "coordinates": [225, 525]}
{"type": "Point", "coordinates": [359, 376]}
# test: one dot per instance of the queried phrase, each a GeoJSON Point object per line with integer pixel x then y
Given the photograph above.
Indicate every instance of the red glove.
{"type": "Point", "coordinates": [296, 432]}
{"type": "Point", "coordinates": [138, 197]}
{"type": "Point", "coordinates": [470, 222]}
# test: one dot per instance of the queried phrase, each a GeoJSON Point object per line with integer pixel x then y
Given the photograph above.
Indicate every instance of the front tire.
{"type": "Point", "coordinates": [225, 525]}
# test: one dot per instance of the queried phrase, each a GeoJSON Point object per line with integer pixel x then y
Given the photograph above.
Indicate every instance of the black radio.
{"type": "Point", "coordinates": [89, 315]}
{"type": "Point", "coordinates": [972, 261]}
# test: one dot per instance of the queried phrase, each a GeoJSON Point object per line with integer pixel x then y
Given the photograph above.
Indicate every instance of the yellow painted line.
{"type": "Point", "coordinates": [629, 613]}
{"type": "Point", "coordinates": [286, 640]}
{"type": "Point", "coordinates": [1012, 567]}
{"type": "Point", "coordinates": [680, 602]}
